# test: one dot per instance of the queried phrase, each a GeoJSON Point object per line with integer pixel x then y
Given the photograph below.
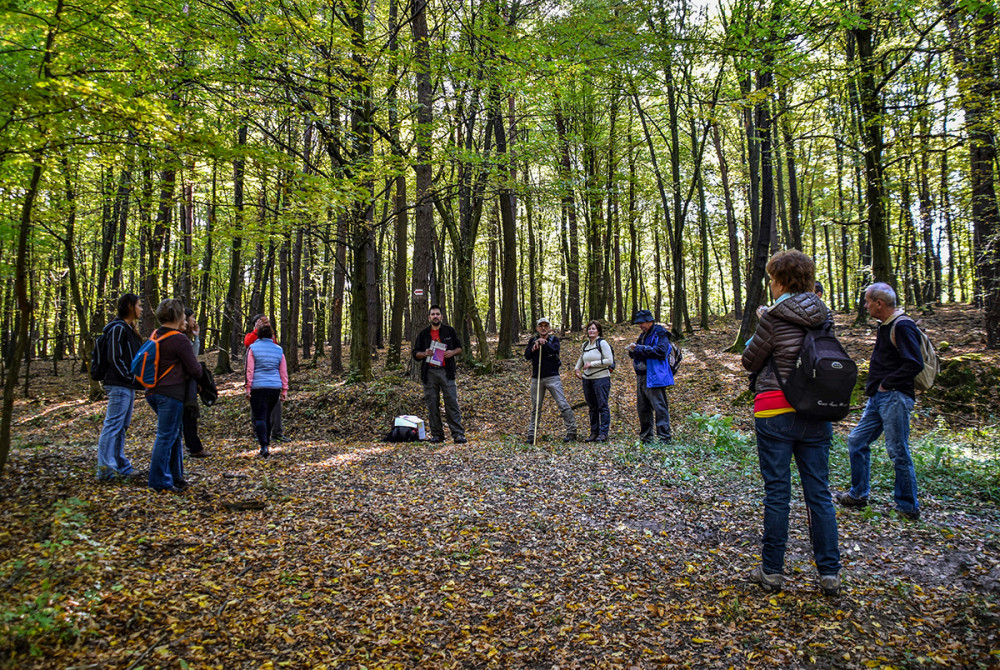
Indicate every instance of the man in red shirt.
{"type": "Point", "coordinates": [277, 434]}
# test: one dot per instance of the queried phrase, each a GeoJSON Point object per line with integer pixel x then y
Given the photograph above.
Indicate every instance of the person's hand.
{"type": "Point", "coordinates": [541, 341]}
{"type": "Point", "coordinates": [631, 347]}
{"type": "Point", "coordinates": [448, 353]}
{"type": "Point", "coordinates": [586, 366]}
{"type": "Point", "coordinates": [761, 311]}
{"type": "Point", "coordinates": [534, 347]}
{"type": "Point", "coordinates": [195, 329]}
{"type": "Point", "coordinates": [428, 353]}
{"type": "Point", "coordinates": [578, 374]}
{"type": "Point", "coordinates": [248, 395]}
{"type": "Point", "coordinates": [284, 396]}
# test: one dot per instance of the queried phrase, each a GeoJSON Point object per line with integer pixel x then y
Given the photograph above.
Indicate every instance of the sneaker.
{"type": "Point", "coordinates": [280, 438]}
{"type": "Point", "coordinates": [768, 582]}
{"type": "Point", "coordinates": [460, 440]}
{"type": "Point", "coordinates": [911, 515]}
{"type": "Point", "coordinates": [830, 584]}
{"type": "Point", "coordinates": [847, 500]}
{"type": "Point", "coordinates": [570, 438]}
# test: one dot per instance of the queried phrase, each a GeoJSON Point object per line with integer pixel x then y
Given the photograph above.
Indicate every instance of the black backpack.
{"type": "Point", "coordinates": [402, 434]}
{"type": "Point", "coordinates": [824, 377]}
{"type": "Point", "coordinates": [99, 362]}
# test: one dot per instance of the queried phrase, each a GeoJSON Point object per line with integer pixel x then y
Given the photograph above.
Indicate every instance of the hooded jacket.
{"type": "Point", "coordinates": [780, 333]}
{"type": "Point", "coordinates": [650, 357]}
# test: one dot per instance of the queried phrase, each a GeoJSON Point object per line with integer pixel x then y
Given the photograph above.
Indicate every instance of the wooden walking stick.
{"type": "Point", "coordinates": [538, 398]}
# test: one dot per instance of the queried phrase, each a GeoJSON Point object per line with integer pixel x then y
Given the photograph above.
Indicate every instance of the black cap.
{"type": "Point", "coordinates": [643, 316]}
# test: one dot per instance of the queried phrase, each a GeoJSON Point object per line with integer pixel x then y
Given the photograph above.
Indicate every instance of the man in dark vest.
{"type": "Point", "coordinates": [436, 347]}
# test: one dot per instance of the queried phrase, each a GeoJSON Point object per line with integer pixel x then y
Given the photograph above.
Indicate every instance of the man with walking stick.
{"type": "Point", "coordinates": [543, 352]}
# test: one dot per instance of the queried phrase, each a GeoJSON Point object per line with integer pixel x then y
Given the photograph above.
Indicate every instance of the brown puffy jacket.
{"type": "Point", "coordinates": [780, 332]}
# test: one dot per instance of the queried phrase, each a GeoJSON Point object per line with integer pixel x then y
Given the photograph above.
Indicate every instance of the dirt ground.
{"type": "Point", "coordinates": [344, 551]}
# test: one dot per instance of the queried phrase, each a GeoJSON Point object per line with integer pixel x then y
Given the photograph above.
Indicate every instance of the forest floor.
{"type": "Point", "coordinates": [344, 551]}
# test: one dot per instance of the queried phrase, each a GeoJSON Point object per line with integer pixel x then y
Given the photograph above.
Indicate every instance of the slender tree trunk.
{"type": "Point", "coordinates": [24, 305]}
{"type": "Point", "coordinates": [734, 245]}
{"type": "Point", "coordinates": [231, 310]}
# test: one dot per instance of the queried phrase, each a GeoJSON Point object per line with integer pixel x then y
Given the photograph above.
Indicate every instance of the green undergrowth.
{"type": "Point", "coordinates": [950, 464]}
{"type": "Point", "coordinates": [36, 611]}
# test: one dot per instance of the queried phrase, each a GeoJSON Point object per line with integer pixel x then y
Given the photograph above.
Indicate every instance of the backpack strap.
{"type": "Point", "coordinates": [892, 331]}
{"type": "Point", "coordinates": [600, 350]}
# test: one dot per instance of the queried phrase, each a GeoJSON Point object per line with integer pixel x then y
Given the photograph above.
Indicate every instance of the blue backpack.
{"type": "Point", "coordinates": [146, 363]}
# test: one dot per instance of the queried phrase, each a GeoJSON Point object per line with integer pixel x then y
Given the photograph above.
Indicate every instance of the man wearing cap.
{"type": "Point", "coordinates": [543, 352]}
{"type": "Point", "coordinates": [652, 376]}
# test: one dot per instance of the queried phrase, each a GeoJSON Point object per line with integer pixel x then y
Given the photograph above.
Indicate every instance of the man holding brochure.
{"type": "Point", "coordinates": [436, 347]}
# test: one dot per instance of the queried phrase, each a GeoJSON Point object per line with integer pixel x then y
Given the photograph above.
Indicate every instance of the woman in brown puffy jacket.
{"type": "Point", "coordinates": [782, 433]}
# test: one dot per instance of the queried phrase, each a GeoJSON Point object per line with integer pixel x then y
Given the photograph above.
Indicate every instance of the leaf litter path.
{"type": "Point", "coordinates": [490, 554]}
{"type": "Point", "coordinates": [481, 555]}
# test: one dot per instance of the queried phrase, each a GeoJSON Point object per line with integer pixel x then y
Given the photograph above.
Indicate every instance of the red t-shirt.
{"type": "Point", "coordinates": [436, 334]}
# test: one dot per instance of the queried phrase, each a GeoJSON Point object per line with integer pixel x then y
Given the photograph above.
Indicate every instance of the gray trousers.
{"type": "Point", "coordinates": [553, 385]}
{"type": "Point", "coordinates": [650, 402]}
{"type": "Point", "coordinates": [438, 383]}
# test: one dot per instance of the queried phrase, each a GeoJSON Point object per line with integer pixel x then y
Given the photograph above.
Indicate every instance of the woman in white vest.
{"type": "Point", "coordinates": [267, 383]}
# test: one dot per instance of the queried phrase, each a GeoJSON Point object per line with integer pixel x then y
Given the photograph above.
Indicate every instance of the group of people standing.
{"type": "Point", "coordinates": [772, 353]}
{"type": "Point", "coordinates": [180, 379]}
{"type": "Point", "coordinates": [436, 346]}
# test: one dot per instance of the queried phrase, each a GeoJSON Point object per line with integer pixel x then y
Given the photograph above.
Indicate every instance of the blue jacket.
{"type": "Point", "coordinates": [267, 364]}
{"type": "Point", "coordinates": [650, 357]}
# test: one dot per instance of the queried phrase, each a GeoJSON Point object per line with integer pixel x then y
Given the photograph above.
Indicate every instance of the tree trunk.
{"type": "Point", "coordinates": [24, 305]}
{"type": "Point", "coordinates": [231, 310]}
{"type": "Point", "coordinates": [423, 213]}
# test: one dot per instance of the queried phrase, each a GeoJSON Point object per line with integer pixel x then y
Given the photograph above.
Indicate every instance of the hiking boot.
{"type": "Point", "coordinates": [830, 584]}
{"type": "Point", "coordinates": [768, 582]}
{"type": "Point", "coordinates": [435, 439]}
{"type": "Point", "coordinates": [529, 438]}
{"type": "Point", "coordinates": [911, 515]}
{"type": "Point", "coordinates": [592, 438]}
{"type": "Point", "coordinates": [460, 440]}
{"type": "Point", "coordinates": [199, 454]}
{"type": "Point", "coordinates": [601, 438]}
{"type": "Point", "coordinates": [570, 438]}
{"type": "Point", "coordinates": [264, 453]}
{"type": "Point", "coordinates": [845, 499]}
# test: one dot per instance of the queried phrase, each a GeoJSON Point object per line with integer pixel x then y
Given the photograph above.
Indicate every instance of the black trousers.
{"type": "Point", "coordinates": [189, 422]}
{"type": "Point", "coordinates": [262, 402]}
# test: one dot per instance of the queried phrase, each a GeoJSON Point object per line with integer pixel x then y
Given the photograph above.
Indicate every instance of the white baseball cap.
{"type": "Point", "coordinates": [542, 320]}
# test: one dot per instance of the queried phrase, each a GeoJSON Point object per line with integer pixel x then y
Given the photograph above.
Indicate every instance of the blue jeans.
{"type": "Point", "coordinates": [779, 438]}
{"type": "Point", "coordinates": [888, 412]}
{"type": "Point", "coordinates": [111, 460]}
{"type": "Point", "coordinates": [166, 464]}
